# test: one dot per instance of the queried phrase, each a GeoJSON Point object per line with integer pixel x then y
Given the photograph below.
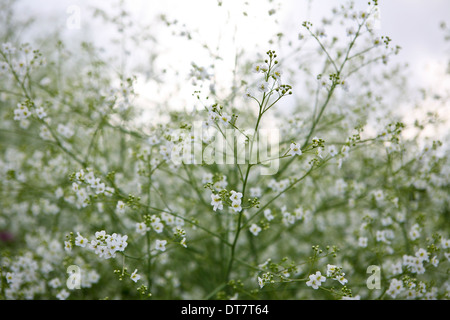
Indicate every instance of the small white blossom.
{"type": "Point", "coordinates": [236, 206]}
{"type": "Point", "coordinates": [263, 86]}
{"type": "Point", "coordinates": [268, 214]}
{"type": "Point", "coordinates": [445, 243]}
{"type": "Point", "coordinates": [160, 245]}
{"type": "Point", "coordinates": [255, 192]}
{"type": "Point", "coordinates": [158, 227]}
{"type": "Point", "coordinates": [142, 228]}
{"type": "Point", "coordinates": [414, 233]}
{"type": "Point", "coordinates": [259, 68]}
{"type": "Point", "coordinates": [63, 294]}
{"type": "Point", "coordinates": [260, 282]}
{"type": "Point", "coordinates": [235, 196]}
{"type": "Point", "coordinates": [395, 288]}
{"type": "Point", "coordinates": [40, 112]}
{"type": "Point", "coordinates": [80, 241]}
{"type": "Point", "coordinates": [225, 118]}
{"type": "Point", "coordinates": [120, 207]}
{"type": "Point", "coordinates": [135, 276]}
{"type": "Point", "coordinates": [255, 229]}
{"type": "Point", "coordinates": [422, 255]}
{"type": "Point", "coordinates": [216, 202]}
{"type": "Point", "coordinates": [332, 150]}
{"type": "Point", "coordinates": [294, 149]}
{"type": "Point", "coordinates": [315, 280]}
{"type": "Point", "coordinates": [434, 261]}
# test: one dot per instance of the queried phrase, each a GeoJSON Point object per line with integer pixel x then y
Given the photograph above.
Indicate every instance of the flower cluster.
{"type": "Point", "coordinates": [234, 200]}
{"type": "Point", "coordinates": [86, 184]}
{"type": "Point", "coordinates": [110, 146]}
{"type": "Point", "coordinates": [315, 280]}
{"type": "Point", "coordinates": [104, 245]}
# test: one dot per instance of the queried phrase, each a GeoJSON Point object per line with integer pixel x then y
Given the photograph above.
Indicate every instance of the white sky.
{"type": "Point", "coordinates": [412, 24]}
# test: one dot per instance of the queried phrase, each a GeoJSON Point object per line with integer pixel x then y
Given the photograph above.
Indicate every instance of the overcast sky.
{"type": "Point", "coordinates": [412, 24]}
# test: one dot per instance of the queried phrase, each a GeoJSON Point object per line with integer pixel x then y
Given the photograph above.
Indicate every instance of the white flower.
{"type": "Point", "coordinates": [396, 268]}
{"type": "Point", "coordinates": [268, 214]}
{"type": "Point", "coordinates": [158, 227]}
{"type": "Point", "coordinates": [152, 140]}
{"type": "Point", "coordinates": [331, 269]}
{"type": "Point", "coordinates": [263, 86]}
{"type": "Point", "coordinates": [422, 255]}
{"type": "Point", "coordinates": [80, 241]}
{"type": "Point", "coordinates": [445, 243]}
{"type": "Point", "coordinates": [100, 235]}
{"type": "Point", "coordinates": [135, 276]}
{"type": "Point", "coordinates": [55, 283]}
{"type": "Point", "coordinates": [341, 279]}
{"type": "Point", "coordinates": [414, 233]}
{"type": "Point", "coordinates": [345, 150]}
{"type": "Point", "coordinates": [225, 118]}
{"type": "Point", "coordinates": [142, 228]}
{"type": "Point", "coordinates": [65, 131]}
{"type": "Point", "coordinates": [67, 246]}
{"type": "Point", "coordinates": [120, 208]}
{"type": "Point", "coordinates": [255, 192]}
{"type": "Point", "coordinates": [11, 277]}
{"type": "Point", "coordinates": [332, 150]}
{"type": "Point", "coordinates": [378, 194]}
{"type": "Point", "coordinates": [100, 188]}
{"type": "Point", "coordinates": [395, 288]}
{"type": "Point", "coordinates": [63, 294]}
{"type": "Point", "coordinates": [3, 67]}
{"type": "Point", "coordinates": [260, 282]}
{"type": "Point", "coordinates": [248, 94]}
{"type": "Point", "coordinates": [8, 48]}
{"type": "Point", "coordinates": [381, 236]}
{"type": "Point", "coordinates": [315, 280]}
{"type": "Point", "coordinates": [207, 178]}
{"type": "Point", "coordinates": [288, 219]}
{"type": "Point", "coordinates": [255, 229]}
{"type": "Point", "coordinates": [161, 245]}
{"type": "Point", "coordinates": [236, 206]}
{"type": "Point", "coordinates": [40, 112]}
{"type": "Point", "coordinates": [21, 112]}
{"type": "Point", "coordinates": [235, 196]}
{"type": "Point", "coordinates": [259, 67]}
{"type": "Point", "coordinates": [216, 202]}
{"type": "Point", "coordinates": [75, 186]}
{"type": "Point", "coordinates": [315, 141]}
{"type": "Point", "coordinates": [434, 261]}
{"type": "Point", "coordinates": [277, 74]}
{"type": "Point", "coordinates": [295, 150]}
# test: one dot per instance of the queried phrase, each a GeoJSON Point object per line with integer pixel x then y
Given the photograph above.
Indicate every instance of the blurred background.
{"type": "Point", "coordinates": [222, 28]}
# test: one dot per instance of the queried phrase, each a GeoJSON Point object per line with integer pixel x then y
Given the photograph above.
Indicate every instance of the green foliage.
{"type": "Point", "coordinates": [86, 182]}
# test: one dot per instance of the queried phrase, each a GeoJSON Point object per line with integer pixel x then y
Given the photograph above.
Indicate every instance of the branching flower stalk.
{"type": "Point", "coordinates": [108, 192]}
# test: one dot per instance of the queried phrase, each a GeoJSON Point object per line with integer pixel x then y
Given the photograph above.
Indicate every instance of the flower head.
{"type": "Point", "coordinates": [255, 229]}
{"type": "Point", "coordinates": [295, 149]}
{"type": "Point", "coordinates": [216, 202]}
{"type": "Point", "coordinates": [263, 86]}
{"type": "Point", "coordinates": [315, 280]}
{"type": "Point", "coordinates": [135, 276]}
{"type": "Point", "coordinates": [161, 245]}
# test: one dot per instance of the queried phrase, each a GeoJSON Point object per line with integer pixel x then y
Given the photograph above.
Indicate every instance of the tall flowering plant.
{"type": "Point", "coordinates": [296, 181]}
